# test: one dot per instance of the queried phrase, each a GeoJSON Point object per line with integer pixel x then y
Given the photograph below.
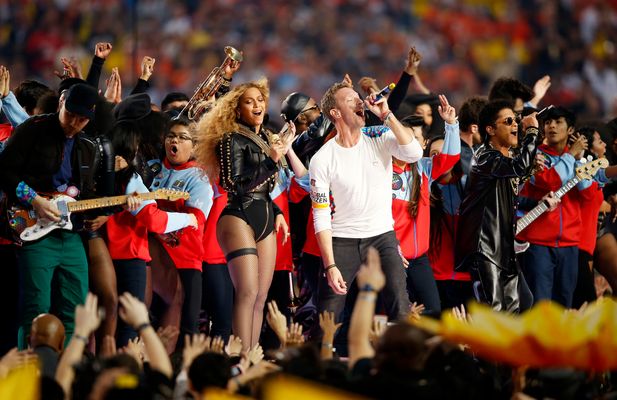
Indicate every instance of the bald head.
{"type": "Point", "coordinates": [47, 330]}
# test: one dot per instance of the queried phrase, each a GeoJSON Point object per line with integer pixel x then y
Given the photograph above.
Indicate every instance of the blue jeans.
{"type": "Point", "coordinates": [551, 272]}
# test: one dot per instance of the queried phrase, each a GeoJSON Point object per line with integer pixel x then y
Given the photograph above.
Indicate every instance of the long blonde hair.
{"type": "Point", "coordinates": [219, 121]}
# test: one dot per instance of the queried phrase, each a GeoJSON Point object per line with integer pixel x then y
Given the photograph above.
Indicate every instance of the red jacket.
{"type": "Point", "coordinates": [212, 251]}
{"type": "Point", "coordinates": [413, 233]}
{"type": "Point", "coordinates": [562, 226]}
{"type": "Point", "coordinates": [127, 235]}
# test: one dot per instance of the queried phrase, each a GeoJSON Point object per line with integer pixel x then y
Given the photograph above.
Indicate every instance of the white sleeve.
{"type": "Point", "coordinates": [410, 152]}
{"type": "Point", "coordinates": [320, 196]}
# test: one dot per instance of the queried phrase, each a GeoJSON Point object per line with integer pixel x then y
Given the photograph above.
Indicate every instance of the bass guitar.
{"type": "Point", "coordinates": [28, 226]}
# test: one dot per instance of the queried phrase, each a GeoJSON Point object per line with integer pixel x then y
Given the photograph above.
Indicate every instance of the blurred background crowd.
{"type": "Point", "coordinates": [307, 45]}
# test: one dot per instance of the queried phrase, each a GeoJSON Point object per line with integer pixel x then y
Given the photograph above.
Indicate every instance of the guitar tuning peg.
{"type": "Point", "coordinates": [589, 158]}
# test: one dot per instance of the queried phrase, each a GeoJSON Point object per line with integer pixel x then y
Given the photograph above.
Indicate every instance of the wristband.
{"type": "Point", "coordinates": [82, 338]}
{"type": "Point", "coordinates": [227, 80]}
{"type": "Point", "coordinates": [385, 117]}
{"type": "Point", "coordinates": [329, 267]}
{"type": "Point", "coordinates": [368, 296]}
{"type": "Point", "coordinates": [367, 288]}
{"type": "Point", "coordinates": [142, 327]}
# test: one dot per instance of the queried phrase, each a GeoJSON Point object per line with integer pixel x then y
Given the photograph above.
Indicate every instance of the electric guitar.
{"type": "Point", "coordinates": [585, 171]}
{"type": "Point", "coordinates": [28, 226]}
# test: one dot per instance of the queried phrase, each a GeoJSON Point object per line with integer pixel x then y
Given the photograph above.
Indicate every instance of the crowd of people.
{"type": "Point", "coordinates": [234, 248]}
{"type": "Point", "coordinates": [466, 44]}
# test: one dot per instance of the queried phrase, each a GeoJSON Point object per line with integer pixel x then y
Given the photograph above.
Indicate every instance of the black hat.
{"type": "Point", "coordinates": [557, 112]}
{"type": "Point", "coordinates": [67, 83]}
{"type": "Point", "coordinates": [81, 99]}
{"type": "Point", "coordinates": [134, 107]}
{"type": "Point", "coordinates": [413, 120]}
{"type": "Point", "coordinates": [293, 105]}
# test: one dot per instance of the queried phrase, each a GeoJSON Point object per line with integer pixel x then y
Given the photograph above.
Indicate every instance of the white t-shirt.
{"type": "Point", "coordinates": [359, 179]}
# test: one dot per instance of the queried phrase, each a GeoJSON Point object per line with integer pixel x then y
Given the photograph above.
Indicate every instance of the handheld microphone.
{"type": "Point", "coordinates": [383, 92]}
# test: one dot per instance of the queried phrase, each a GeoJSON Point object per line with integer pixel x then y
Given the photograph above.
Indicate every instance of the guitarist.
{"type": "Point", "coordinates": [43, 156]}
{"type": "Point", "coordinates": [550, 265]}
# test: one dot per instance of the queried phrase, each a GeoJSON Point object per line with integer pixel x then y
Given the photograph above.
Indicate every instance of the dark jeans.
{"type": "Point", "coordinates": [585, 290]}
{"type": "Point", "coordinates": [130, 277]}
{"type": "Point", "coordinates": [191, 284]}
{"type": "Point", "coordinates": [421, 285]}
{"type": "Point", "coordinates": [349, 255]}
{"type": "Point", "coordinates": [454, 293]}
{"type": "Point", "coordinates": [499, 287]}
{"type": "Point", "coordinates": [551, 272]}
{"type": "Point", "coordinates": [218, 298]}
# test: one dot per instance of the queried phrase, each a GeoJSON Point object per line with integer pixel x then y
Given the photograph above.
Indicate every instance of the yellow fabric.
{"type": "Point", "coordinates": [21, 383]}
{"type": "Point", "coordinates": [545, 336]}
{"type": "Point", "coordinates": [285, 388]}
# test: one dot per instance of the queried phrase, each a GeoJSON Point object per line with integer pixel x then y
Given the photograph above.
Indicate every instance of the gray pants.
{"type": "Point", "coordinates": [349, 255]}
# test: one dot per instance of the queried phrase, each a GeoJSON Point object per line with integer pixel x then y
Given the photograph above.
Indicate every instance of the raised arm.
{"type": "Point", "coordinates": [371, 280]}
{"type": "Point", "coordinates": [101, 51]}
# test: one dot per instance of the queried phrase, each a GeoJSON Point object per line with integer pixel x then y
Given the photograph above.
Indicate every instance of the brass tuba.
{"type": "Point", "coordinates": [196, 106]}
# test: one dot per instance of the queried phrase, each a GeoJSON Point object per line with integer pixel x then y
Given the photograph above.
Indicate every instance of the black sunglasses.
{"type": "Point", "coordinates": [509, 121]}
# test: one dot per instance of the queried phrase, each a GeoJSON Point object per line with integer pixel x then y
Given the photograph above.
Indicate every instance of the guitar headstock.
{"type": "Point", "coordinates": [589, 169]}
{"type": "Point", "coordinates": [170, 194]}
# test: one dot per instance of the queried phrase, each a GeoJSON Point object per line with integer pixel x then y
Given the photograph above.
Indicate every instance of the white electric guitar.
{"type": "Point", "coordinates": [585, 171]}
{"type": "Point", "coordinates": [29, 226]}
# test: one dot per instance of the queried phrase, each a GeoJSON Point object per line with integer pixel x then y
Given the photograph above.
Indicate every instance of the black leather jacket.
{"type": "Point", "coordinates": [487, 214]}
{"type": "Point", "coordinates": [247, 171]}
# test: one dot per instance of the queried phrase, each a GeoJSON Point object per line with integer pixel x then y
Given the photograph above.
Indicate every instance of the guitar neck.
{"type": "Point", "coordinates": [538, 210]}
{"type": "Point", "coordinates": [111, 201]}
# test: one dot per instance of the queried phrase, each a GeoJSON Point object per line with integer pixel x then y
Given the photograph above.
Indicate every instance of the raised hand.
{"type": "Point", "coordinates": [234, 346]}
{"type": "Point", "coordinates": [413, 61]}
{"type": "Point", "coordinates": [540, 88]}
{"type": "Point", "coordinates": [446, 111]}
{"type": "Point", "coordinates": [3, 82]}
{"type": "Point", "coordinates": [328, 325]}
{"type": "Point", "coordinates": [231, 68]}
{"type": "Point", "coordinates": [578, 145]}
{"type": "Point", "coordinates": [294, 335]}
{"type": "Point", "coordinates": [102, 50]}
{"type": "Point", "coordinates": [256, 354]}
{"type": "Point", "coordinates": [217, 345]}
{"type": "Point", "coordinates": [87, 317]}
{"type": "Point", "coordinates": [132, 310]}
{"type": "Point", "coordinates": [415, 311]}
{"type": "Point", "coordinates": [193, 346]}
{"type": "Point", "coordinates": [347, 80]}
{"type": "Point", "coordinates": [370, 272]}
{"type": "Point", "coordinates": [147, 67]}
{"type": "Point", "coordinates": [530, 121]}
{"type": "Point", "coordinates": [277, 322]}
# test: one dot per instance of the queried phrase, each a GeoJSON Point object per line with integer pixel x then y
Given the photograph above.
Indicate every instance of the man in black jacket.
{"type": "Point", "coordinates": [485, 237]}
{"type": "Point", "coordinates": [43, 156]}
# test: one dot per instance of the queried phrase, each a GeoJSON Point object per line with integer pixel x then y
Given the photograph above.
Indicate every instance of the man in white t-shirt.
{"type": "Point", "coordinates": [351, 193]}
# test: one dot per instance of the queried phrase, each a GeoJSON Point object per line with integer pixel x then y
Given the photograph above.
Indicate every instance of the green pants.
{"type": "Point", "coordinates": [54, 278]}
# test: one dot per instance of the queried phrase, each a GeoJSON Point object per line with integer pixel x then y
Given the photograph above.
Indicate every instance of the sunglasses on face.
{"type": "Point", "coordinates": [509, 121]}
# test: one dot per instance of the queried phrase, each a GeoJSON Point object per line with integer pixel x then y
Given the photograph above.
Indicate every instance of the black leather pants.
{"type": "Point", "coordinates": [498, 287]}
